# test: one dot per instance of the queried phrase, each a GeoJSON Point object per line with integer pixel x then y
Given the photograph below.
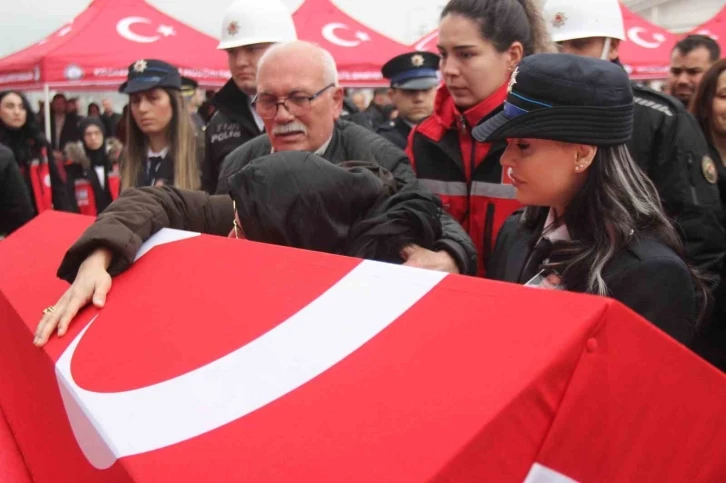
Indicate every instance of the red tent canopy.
{"type": "Point", "coordinates": [714, 28]}
{"type": "Point", "coordinates": [96, 48]}
{"type": "Point", "coordinates": [645, 53]}
{"type": "Point", "coordinates": [359, 51]}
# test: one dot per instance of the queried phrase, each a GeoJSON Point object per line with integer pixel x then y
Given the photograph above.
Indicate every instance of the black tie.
{"type": "Point", "coordinates": [539, 254]}
{"type": "Point", "coordinates": [154, 165]}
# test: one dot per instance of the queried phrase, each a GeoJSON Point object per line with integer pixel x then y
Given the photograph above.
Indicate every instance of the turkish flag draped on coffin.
{"type": "Point", "coordinates": [218, 359]}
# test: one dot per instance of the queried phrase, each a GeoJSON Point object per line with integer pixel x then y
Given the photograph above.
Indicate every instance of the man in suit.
{"type": "Point", "coordinates": [63, 126]}
{"type": "Point", "coordinates": [414, 78]}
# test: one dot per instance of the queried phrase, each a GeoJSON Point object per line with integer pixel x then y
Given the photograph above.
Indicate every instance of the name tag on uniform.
{"type": "Point", "coordinates": [546, 279]}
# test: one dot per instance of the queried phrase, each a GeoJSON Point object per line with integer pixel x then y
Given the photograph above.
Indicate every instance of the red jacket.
{"type": "Point", "coordinates": [464, 173]}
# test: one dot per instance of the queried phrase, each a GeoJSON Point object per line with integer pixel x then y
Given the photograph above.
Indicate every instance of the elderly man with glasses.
{"type": "Point", "coordinates": [300, 102]}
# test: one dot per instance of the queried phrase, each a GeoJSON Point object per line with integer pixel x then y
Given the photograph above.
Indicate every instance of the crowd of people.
{"type": "Point", "coordinates": [522, 152]}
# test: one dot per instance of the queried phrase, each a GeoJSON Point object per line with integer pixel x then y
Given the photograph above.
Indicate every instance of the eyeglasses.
{"type": "Point", "coordinates": [267, 105]}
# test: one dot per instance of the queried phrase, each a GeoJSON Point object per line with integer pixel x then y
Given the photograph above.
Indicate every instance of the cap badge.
{"type": "Point", "coordinates": [708, 166]}
{"type": "Point", "coordinates": [513, 80]}
{"type": "Point", "coordinates": [417, 60]}
{"type": "Point", "coordinates": [560, 20]}
{"type": "Point", "coordinates": [233, 28]}
{"type": "Point", "coordinates": [139, 66]}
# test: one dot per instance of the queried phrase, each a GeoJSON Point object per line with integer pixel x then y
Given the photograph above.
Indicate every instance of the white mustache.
{"type": "Point", "coordinates": [294, 126]}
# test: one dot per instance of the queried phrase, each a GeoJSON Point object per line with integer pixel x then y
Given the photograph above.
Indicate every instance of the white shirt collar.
{"type": "Point", "coordinates": [320, 151]}
{"type": "Point", "coordinates": [258, 120]}
{"type": "Point", "coordinates": [561, 233]}
{"type": "Point", "coordinates": [160, 154]}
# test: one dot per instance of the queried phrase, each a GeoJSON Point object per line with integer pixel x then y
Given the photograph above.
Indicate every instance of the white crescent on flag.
{"type": "Point", "coordinates": [123, 27]}
{"type": "Point", "coordinates": [349, 314]}
{"type": "Point", "coordinates": [634, 34]}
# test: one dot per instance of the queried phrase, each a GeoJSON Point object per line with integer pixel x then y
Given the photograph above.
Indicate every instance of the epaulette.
{"type": "Point", "coordinates": [655, 100]}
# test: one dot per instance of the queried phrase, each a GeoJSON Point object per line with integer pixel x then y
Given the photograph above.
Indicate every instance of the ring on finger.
{"type": "Point", "coordinates": [49, 310]}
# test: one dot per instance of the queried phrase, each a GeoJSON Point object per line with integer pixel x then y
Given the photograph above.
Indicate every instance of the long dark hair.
{"type": "Point", "coordinates": [182, 147]}
{"type": "Point", "coordinates": [702, 103]}
{"type": "Point", "coordinates": [503, 22]}
{"type": "Point", "coordinates": [616, 205]}
{"type": "Point", "coordinates": [27, 141]}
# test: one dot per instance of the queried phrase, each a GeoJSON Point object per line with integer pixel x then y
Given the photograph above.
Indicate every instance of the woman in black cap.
{"type": "Point", "coordinates": [161, 147]}
{"type": "Point", "coordinates": [593, 222]}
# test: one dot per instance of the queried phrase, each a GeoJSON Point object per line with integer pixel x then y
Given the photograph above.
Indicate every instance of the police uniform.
{"type": "Point", "coordinates": [144, 75]}
{"type": "Point", "coordinates": [412, 71]}
{"type": "Point", "coordinates": [670, 148]}
{"type": "Point", "coordinates": [579, 100]}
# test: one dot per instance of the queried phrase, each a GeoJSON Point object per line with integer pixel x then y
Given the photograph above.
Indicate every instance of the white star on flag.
{"type": "Point", "coordinates": [166, 30]}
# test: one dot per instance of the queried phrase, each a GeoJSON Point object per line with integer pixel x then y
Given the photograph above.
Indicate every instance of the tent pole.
{"type": "Point", "coordinates": [46, 91]}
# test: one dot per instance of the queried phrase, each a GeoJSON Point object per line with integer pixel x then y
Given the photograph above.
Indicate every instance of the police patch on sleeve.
{"type": "Point", "coordinates": [708, 166]}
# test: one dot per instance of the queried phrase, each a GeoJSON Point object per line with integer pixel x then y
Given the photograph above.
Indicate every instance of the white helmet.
{"type": "Point", "coordinates": [579, 19]}
{"type": "Point", "coordinates": [248, 22]}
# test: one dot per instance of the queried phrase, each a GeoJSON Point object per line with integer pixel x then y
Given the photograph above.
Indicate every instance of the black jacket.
{"type": "Point", "coordinates": [231, 126]}
{"type": "Point", "coordinates": [669, 147]}
{"type": "Point", "coordinates": [16, 207]}
{"type": "Point", "coordinates": [110, 122]}
{"type": "Point", "coordinates": [301, 200]}
{"type": "Point", "coordinates": [377, 115]}
{"type": "Point", "coordinates": [351, 142]}
{"type": "Point", "coordinates": [69, 133]}
{"type": "Point", "coordinates": [397, 132]}
{"type": "Point", "coordinates": [646, 276]}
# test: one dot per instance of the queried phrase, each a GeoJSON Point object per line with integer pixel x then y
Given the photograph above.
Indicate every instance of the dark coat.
{"type": "Point", "coordinates": [231, 126]}
{"type": "Point", "coordinates": [110, 123]}
{"type": "Point", "coordinates": [16, 206]}
{"type": "Point", "coordinates": [669, 147]}
{"type": "Point", "coordinates": [357, 210]}
{"type": "Point", "coordinates": [70, 132]}
{"type": "Point", "coordinates": [376, 115]}
{"type": "Point", "coordinates": [351, 142]}
{"type": "Point", "coordinates": [397, 132]}
{"type": "Point", "coordinates": [646, 276]}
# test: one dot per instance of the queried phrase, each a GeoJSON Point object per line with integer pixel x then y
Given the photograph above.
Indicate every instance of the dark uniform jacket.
{"type": "Point", "coordinates": [16, 206]}
{"type": "Point", "coordinates": [351, 142]}
{"type": "Point", "coordinates": [669, 147]}
{"type": "Point", "coordinates": [396, 131]}
{"type": "Point", "coordinates": [646, 276]}
{"type": "Point", "coordinates": [231, 126]}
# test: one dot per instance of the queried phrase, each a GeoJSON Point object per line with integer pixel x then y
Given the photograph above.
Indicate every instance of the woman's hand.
{"type": "Point", "coordinates": [92, 283]}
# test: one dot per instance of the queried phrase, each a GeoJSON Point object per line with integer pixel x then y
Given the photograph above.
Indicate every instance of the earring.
{"type": "Point", "coordinates": [577, 168]}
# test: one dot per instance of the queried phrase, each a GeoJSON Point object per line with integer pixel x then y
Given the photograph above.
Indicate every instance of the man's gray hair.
{"type": "Point", "coordinates": [317, 53]}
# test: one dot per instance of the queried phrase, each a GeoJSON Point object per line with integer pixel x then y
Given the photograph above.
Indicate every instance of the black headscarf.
{"type": "Point", "coordinates": [299, 199]}
{"type": "Point", "coordinates": [98, 156]}
{"type": "Point", "coordinates": [26, 141]}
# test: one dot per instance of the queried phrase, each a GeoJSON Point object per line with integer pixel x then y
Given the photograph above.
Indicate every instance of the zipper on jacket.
{"type": "Point", "coordinates": [488, 230]}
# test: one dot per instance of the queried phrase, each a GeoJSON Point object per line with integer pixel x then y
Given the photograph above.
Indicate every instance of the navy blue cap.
{"type": "Point", "coordinates": [567, 98]}
{"type": "Point", "coordinates": [151, 73]}
{"type": "Point", "coordinates": [413, 71]}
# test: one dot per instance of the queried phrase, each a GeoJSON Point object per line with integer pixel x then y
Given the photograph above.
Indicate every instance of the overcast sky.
{"type": "Point", "coordinates": [31, 20]}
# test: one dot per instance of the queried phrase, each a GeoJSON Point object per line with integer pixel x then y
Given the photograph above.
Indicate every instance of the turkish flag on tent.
{"type": "Point", "coordinates": [645, 53]}
{"type": "Point", "coordinates": [714, 28]}
{"type": "Point", "coordinates": [359, 51]}
{"type": "Point", "coordinates": [96, 48]}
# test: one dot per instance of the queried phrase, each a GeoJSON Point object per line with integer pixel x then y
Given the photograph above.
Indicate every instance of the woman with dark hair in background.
{"type": "Point", "coordinates": [593, 221]}
{"type": "Point", "coordinates": [94, 110]}
{"type": "Point", "coordinates": [161, 147]}
{"type": "Point", "coordinates": [709, 107]}
{"type": "Point", "coordinates": [20, 132]}
{"type": "Point", "coordinates": [480, 42]}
